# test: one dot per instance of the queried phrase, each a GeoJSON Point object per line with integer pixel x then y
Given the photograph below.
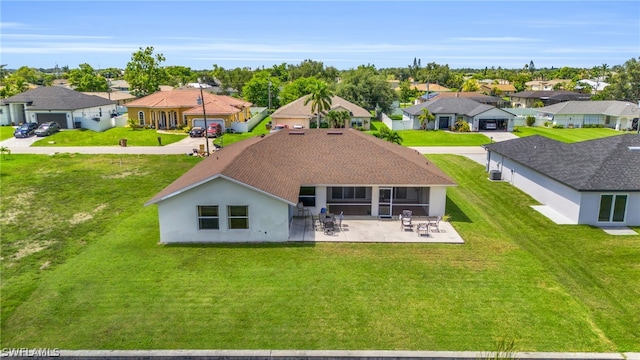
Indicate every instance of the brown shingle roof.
{"type": "Point", "coordinates": [281, 162]}
{"type": "Point", "coordinates": [297, 109]}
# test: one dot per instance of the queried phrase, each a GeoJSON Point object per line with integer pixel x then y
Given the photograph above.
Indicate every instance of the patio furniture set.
{"type": "Point", "coordinates": [422, 228]}
{"type": "Point", "coordinates": [327, 222]}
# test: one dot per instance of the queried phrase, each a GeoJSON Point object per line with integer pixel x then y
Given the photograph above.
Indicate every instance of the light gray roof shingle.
{"type": "Point", "coordinates": [57, 98]}
{"type": "Point", "coordinates": [605, 164]}
{"type": "Point", "coordinates": [460, 106]}
{"type": "Point", "coordinates": [281, 162]}
{"type": "Point", "coordinates": [603, 107]}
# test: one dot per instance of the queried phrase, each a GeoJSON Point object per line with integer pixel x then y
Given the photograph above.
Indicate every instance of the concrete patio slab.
{"type": "Point", "coordinates": [618, 230]}
{"type": "Point", "coordinates": [366, 229]}
{"type": "Point", "coordinates": [553, 215]}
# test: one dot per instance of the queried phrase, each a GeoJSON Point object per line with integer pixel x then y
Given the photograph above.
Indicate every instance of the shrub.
{"type": "Point", "coordinates": [462, 126]}
{"type": "Point", "coordinates": [530, 120]}
{"type": "Point", "coordinates": [558, 126]}
{"type": "Point", "coordinates": [516, 129]}
{"type": "Point", "coordinates": [547, 124]}
{"type": "Point", "coordinates": [187, 129]}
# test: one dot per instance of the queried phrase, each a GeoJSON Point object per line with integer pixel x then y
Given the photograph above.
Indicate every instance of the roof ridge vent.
{"type": "Point", "coordinates": [296, 132]}
{"type": "Point", "coordinates": [334, 132]}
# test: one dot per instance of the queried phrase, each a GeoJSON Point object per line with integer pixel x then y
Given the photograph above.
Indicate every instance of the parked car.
{"type": "Point", "coordinates": [196, 132]}
{"type": "Point", "coordinates": [48, 128]}
{"type": "Point", "coordinates": [25, 130]}
{"type": "Point", "coordinates": [214, 130]}
{"type": "Point", "coordinates": [279, 127]}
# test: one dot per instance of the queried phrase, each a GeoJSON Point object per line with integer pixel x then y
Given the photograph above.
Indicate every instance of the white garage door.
{"type": "Point", "coordinates": [200, 122]}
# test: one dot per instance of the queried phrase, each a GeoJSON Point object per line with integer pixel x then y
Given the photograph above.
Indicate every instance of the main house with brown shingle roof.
{"type": "Point", "coordinates": [248, 191]}
{"type": "Point", "coordinates": [170, 109]}
{"type": "Point", "coordinates": [297, 114]}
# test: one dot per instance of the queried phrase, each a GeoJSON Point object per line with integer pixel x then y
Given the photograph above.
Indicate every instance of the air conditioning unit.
{"type": "Point", "coordinates": [495, 175]}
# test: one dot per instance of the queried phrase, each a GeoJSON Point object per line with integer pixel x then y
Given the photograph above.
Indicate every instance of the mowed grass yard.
{"type": "Point", "coordinates": [110, 137]}
{"type": "Point", "coordinates": [6, 132]}
{"type": "Point", "coordinates": [82, 269]}
{"type": "Point", "coordinates": [435, 138]}
{"type": "Point", "coordinates": [567, 135]}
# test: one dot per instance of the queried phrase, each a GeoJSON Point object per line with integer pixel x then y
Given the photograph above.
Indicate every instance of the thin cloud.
{"type": "Point", "coordinates": [53, 37]}
{"type": "Point", "coordinates": [497, 39]}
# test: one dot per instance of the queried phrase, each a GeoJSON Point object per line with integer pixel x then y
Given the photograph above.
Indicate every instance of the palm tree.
{"type": "Point", "coordinates": [320, 98]}
{"type": "Point", "coordinates": [338, 118]}
{"type": "Point", "coordinates": [425, 117]}
{"type": "Point", "coordinates": [4, 150]}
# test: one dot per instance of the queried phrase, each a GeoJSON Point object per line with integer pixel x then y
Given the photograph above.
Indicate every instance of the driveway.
{"type": "Point", "coordinates": [22, 142]}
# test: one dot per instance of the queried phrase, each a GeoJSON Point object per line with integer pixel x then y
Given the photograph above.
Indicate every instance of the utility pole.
{"type": "Point", "coordinates": [200, 101]}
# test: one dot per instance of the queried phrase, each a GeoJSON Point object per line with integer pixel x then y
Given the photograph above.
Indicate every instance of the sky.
{"type": "Point", "coordinates": [343, 34]}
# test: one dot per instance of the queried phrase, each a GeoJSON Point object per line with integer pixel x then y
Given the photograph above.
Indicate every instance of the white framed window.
{"type": "Point", "coordinates": [613, 208]}
{"type": "Point", "coordinates": [348, 193]}
{"type": "Point", "coordinates": [307, 196]}
{"type": "Point", "coordinates": [141, 117]}
{"type": "Point", "coordinates": [208, 218]}
{"type": "Point", "coordinates": [238, 216]}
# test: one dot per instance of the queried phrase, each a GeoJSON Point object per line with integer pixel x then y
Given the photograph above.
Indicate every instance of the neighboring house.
{"type": "Point", "coordinates": [544, 85]}
{"type": "Point", "coordinates": [121, 98]}
{"type": "Point", "coordinates": [171, 109]}
{"type": "Point", "coordinates": [448, 110]}
{"type": "Point", "coordinates": [595, 182]}
{"type": "Point", "coordinates": [527, 99]}
{"type": "Point", "coordinates": [296, 113]}
{"type": "Point", "coordinates": [248, 191]}
{"type": "Point", "coordinates": [497, 89]}
{"type": "Point", "coordinates": [428, 88]}
{"type": "Point", "coordinates": [620, 115]}
{"type": "Point", "coordinates": [596, 86]}
{"type": "Point", "coordinates": [69, 108]}
{"type": "Point", "coordinates": [119, 85]}
{"type": "Point", "coordinates": [472, 95]}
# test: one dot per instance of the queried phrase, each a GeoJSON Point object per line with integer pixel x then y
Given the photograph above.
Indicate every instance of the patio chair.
{"type": "Point", "coordinates": [317, 224]}
{"type": "Point", "coordinates": [423, 229]}
{"type": "Point", "coordinates": [340, 218]}
{"type": "Point", "coordinates": [328, 228]}
{"type": "Point", "coordinates": [435, 224]}
{"type": "Point", "coordinates": [407, 213]}
{"type": "Point", "coordinates": [302, 210]}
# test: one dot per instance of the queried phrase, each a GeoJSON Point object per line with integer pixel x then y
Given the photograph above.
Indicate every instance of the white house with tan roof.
{"type": "Point", "coordinates": [248, 191]}
{"type": "Point", "coordinates": [297, 114]}
{"type": "Point", "coordinates": [170, 109]}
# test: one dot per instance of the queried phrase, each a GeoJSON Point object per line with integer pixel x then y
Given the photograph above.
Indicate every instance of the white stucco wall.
{"type": "Point", "coordinates": [268, 216]}
{"type": "Point", "coordinates": [437, 200]}
{"type": "Point", "coordinates": [591, 206]}
{"type": "Point", "coordinates": [551, 193]}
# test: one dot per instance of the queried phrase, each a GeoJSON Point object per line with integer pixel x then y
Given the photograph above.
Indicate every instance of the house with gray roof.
{"type": "Point", "coordinates": [297, 114]}
{"type": "Point", "coordinates": [448, 110]}
{"type": "Point", "coordinates": [528, 98]}
{"type": "Point", "coordinates": [595, 182]}
{"type": "Point", "coordinates": [69, 108]}
{"type": "Point", "coordinates": [619, 115]}
{"type": "Point", "coordinates": [249, 191]}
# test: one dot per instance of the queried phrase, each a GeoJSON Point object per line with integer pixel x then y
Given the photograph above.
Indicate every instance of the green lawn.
{"type": "Point", "coordinates": [259, 129]}
{"type": "Point", "coordinates": [435, 138]}
{"type": "Point", "coordinates": [567, 135]}
{"type": "Point", "coordinates": [88, 273]}
{"type": "Point", "coordinates": [110, 137]}
{"type": "Point", "coordinates": [6, 132]}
